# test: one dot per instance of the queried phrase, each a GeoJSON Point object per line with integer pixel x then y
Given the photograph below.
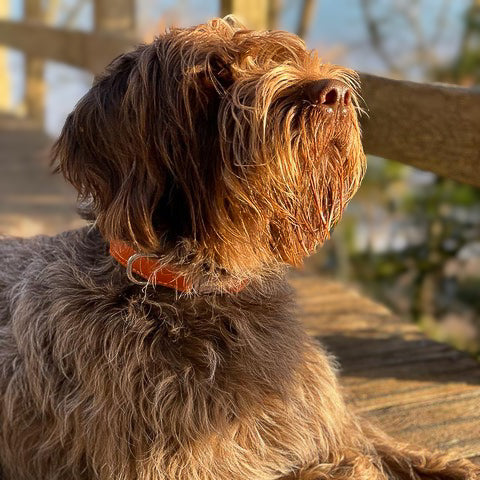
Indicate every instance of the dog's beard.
{"type": "Point", "coordinates": [296, 167]}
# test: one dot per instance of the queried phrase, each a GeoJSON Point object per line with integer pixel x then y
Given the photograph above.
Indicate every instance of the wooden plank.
{"type": "Point", "coordinates": [430, 126]}
{"type": "Point", "coordinates": [418, 390]}
{"type": "Point", "coordinates": [91, 51]}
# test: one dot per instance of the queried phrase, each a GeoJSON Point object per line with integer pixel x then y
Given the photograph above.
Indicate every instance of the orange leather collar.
{"type": "Point", "coordinates": [147, 267]}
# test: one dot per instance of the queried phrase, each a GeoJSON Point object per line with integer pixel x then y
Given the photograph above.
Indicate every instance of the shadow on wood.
{"type": "Point", "coordinates": [418, 390]}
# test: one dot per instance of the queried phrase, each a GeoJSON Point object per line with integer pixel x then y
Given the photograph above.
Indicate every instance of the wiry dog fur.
{"type": "Point", "coordinates": [203, 149]}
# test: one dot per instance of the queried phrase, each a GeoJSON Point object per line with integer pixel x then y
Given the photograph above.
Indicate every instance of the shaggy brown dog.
{"type": "Point", "coordinates": [227, 154]}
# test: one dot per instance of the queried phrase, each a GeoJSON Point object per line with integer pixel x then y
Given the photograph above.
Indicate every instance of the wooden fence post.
{"type": "Point", "coordinates": [35, 87]}
{"type": "Point", "coordinates": [114, 16]}
{"type": "Point", "coordinates": [253, 13]}
{"type": "Point", "coordinates": [5, 78]}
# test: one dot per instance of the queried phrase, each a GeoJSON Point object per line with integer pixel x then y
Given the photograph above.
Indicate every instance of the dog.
{"type": "Point", "coordinates": [161, 341]}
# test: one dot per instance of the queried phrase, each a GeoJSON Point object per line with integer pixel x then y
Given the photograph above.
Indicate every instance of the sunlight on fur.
{"type": "Point", "coordinates": [229, 154]}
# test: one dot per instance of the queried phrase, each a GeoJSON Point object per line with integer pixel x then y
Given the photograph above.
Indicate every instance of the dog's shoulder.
{"type": "Point", "coordinates": [35, 271]}
{"type": "Point", "coordinates": [21, 258]}
{"type": "Point", "coordinates": [15, 256]}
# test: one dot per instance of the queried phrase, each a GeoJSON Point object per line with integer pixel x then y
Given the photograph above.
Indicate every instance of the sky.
{"type": "Point", "coordinates": [337, 31]}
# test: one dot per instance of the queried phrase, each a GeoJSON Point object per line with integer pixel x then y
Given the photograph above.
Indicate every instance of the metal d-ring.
{"type": "Point", "coordinates": [130, 262]}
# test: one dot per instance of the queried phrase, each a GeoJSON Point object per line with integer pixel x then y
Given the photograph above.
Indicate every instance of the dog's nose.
{"type": "Point", "coordinates": [331, 93]}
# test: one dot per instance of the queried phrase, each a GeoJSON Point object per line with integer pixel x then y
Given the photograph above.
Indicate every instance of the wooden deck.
{"type": "Point", "coordinates": [418, 390]}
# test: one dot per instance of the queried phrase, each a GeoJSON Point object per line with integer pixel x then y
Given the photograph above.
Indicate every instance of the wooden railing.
{"type": "Point", "coordinates": [113, 33]}
{"type": "Point", "coordinates": [430, 126]}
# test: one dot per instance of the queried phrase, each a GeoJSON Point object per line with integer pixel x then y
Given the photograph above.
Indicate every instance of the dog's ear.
{"type": "Point", "coordinates": [132, 148]}
{"type": "Point", "coordinates": [101, 151]}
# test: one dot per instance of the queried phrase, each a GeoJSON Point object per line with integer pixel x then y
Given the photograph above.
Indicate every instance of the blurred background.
{"type": "Point", "coordinates": [409, 238]}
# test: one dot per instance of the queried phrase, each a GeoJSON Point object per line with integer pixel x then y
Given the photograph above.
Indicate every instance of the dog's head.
{"type": "Point", "coordinates": [218, 148]}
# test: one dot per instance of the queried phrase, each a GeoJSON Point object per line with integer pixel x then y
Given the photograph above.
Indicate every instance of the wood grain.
{"type": "Point", "coordinates": [91, 51]}
{"type": "Point", "coordinates": [430, 126]}
{"type": "Point", "coordinates": [418, 390]}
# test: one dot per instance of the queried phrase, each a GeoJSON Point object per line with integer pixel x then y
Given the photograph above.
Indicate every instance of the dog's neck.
{"type": "Point", "coordinates": [153, 271]}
